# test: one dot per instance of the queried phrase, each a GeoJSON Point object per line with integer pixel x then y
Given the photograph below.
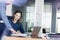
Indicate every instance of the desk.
{"type": "Point", "coordinates": [20, 38]}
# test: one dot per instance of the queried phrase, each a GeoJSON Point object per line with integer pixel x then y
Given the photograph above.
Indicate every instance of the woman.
{"type": "Point", "coordinates": [15, 23]}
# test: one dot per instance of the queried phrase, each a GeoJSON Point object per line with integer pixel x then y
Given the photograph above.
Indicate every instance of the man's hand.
{"type": "Point", "coordinates": [13, 31]}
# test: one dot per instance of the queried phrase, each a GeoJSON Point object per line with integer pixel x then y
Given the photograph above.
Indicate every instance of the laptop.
{"type": "Point", "coordinates": [35, 32]}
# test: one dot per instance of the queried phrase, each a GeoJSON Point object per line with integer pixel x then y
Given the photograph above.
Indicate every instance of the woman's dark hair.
{"type": "Point", "coordinates": [17, 12]}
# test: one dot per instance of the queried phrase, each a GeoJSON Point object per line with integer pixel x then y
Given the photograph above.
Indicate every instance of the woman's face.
{"type": "Point", "coordinates": [17, 16]}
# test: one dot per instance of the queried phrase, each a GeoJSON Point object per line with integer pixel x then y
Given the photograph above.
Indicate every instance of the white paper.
{"type": "Point", "coordinates": [22, 35]}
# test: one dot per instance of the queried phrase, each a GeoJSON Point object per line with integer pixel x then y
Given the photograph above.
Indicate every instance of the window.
{"type": "Point", "coordinates": [30, 17]}
{"type": "Point", "coordinates": [46, 16]}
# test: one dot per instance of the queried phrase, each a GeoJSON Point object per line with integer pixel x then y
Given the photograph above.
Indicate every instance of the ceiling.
{"type": "Point", "coordinates": [51, 1]}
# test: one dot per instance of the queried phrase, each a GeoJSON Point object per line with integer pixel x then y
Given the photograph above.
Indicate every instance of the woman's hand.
{"type": "Point", "coordinates": [18, 32]}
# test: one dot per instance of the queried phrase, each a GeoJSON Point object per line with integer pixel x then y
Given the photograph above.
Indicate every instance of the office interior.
{"type": "Point", "coordinates": [38, 13]}
{"type": "Point", "coordinates": [27, 13]}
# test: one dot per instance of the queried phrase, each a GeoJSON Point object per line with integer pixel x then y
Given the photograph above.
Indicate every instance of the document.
{"type": "Point", "coordinates": [21, 35]}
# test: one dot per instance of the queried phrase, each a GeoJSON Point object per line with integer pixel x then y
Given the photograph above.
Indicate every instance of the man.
{"type": "Point", "coordinates": [3, 4]}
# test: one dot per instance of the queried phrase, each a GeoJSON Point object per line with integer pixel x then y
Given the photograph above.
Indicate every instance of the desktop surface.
{"type": "Point", "coordinates": [21, 38]}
